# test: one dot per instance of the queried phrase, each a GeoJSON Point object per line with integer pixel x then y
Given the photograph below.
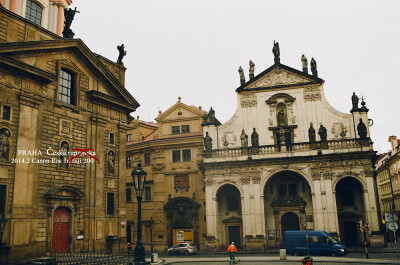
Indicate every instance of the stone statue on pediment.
{"type": "Point", "coordinates": [244, 139]}
{"type": "Point", "coordinates": [311, 133]}
{"type": "Point", "coordinates": [322, 133]}
{"type": "Point", "coordinates": [122, 53]}
{"type": "Point", "coordinates": [241, 75]}
{"type": "Point", "coordinates": [276, 52]}
{"type": "Point", "coordinates": [354, 101]}
{"type": "Point", "coordinates": [254, 138]}
{"type": "Point", "coordinates": [313, 64]}
{"type": "Point", "coordinates": [304, 62]}
{"type": "Point", "coordinates": [251, 69]}
{"type": "Point", "coordinates": [69, 15]}
{"type": "Point", "coordinates": [362, 130]}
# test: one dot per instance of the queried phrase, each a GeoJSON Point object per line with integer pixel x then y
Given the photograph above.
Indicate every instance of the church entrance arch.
{"type": "Point", "coordinates": [351, 210]}
{"type": "Point", "coordinates": [182, 221]}
{"type": "Point", "coordinates": [229, 221]}
{"type": "Point", "coordinates": [289, 194]}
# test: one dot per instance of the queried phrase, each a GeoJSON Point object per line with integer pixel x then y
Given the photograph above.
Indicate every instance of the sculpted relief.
{"type": "Point", "coordinates": [280, 77]}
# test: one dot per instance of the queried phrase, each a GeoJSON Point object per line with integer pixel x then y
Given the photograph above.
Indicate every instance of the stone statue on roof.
{"type": "Point", "coordinates": [304, 62]}
{"type": "Point", "coordinates": [276, 52]}
{"type": "Point", "coordinates": [251, 69]}
{"type": "Point", "coordinates": [354, 101]}
{"type": "Point", "coordinates": [122, 53]}
{"type": "Point", "coordinates": [313, 64]}
{"type": "Point", "coordinates": [69, 15]}
{"type": "Point", "coordinates": [241, 75]}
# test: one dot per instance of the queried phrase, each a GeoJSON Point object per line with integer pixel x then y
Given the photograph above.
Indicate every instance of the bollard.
{"type": "Point", "coordinates": [282, 254]}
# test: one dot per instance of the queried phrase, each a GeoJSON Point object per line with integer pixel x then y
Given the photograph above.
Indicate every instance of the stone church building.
{"type": "Point", "coordinates": [58, 99]}
{"type": "Point", "coordinates": [288, 160]}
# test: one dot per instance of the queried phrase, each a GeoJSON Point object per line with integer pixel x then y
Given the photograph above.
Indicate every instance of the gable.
{"type": "Point", "coordinates": [279, 75]}
{"type": "Point", "coordinates": [179, 111]}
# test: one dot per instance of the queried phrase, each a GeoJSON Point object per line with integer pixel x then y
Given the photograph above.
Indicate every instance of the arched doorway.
{"type": "Point", "coordinates": [350, 207]}
{"type": "Point", "coordinates": [229, 221]}
{"type": "Point", "coordinates": [289, 194]}
{"type": "Point", "coordinates": [290, 221]}
{"type": "Point", "coordinates": [61, 238]}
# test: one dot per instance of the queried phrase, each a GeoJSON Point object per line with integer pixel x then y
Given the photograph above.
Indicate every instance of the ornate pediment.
{"type": "Point", "coordinates": [288, 201]}
{"type": "Point", "coordinates": [279, 77]}
{"type": "Point", "coordinates": [232, 220]}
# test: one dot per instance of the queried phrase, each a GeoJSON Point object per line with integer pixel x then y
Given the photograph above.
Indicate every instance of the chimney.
{"type": "Point", "coordinates": [393, 141]}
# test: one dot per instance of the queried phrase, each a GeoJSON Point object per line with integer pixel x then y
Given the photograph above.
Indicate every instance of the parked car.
{"type": "Point", "coordinates": [183, 248]}
{"type": "Point", "coordinates": [319, 243]}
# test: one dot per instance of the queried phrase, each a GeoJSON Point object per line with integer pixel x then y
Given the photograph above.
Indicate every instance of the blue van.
{"type": "Point", "coordinates": [319, 243]}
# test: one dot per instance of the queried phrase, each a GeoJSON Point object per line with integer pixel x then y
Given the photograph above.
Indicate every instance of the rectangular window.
{"type": "Point", "coordinates": [186, 155]}
{"type": "Point", "coordinates": [175, 129]}
{"type": "Point", "coordinates": [147, 159]}
{"type": "Point", "coordinates": [129, 233]}
{"type": "Point", "coordinates": [129, 138]}
{"type": "Point", "coordinates": [176, 156]}
{"type": "Point", "coordinates": [185, 128]}
{"type": "Point", "coordinates": [111, 139]}
{"type": "Point", "coordinates": [128, 162]}
{"type": "Point", "coordinates": [33, 12]}
{"type": "Point", "coordinates": [3, 199]}
{"type": "Point", "coordinates": [110, 203]}
{"type": "Point", "coordinates": [147, 193]}
{"type": "Point", "coordinates": [128, 195]}
{"type": "Point", "coordinates": [66, 93]}
{"type": "Point", "coordinates": [233, 202]}
{"type": "Point", "coordinates": [6, 113]}
{"type": "Point", "coordinates": [292, 189]}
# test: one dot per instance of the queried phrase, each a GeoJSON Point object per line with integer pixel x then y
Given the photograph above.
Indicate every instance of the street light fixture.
{"type": "Point", "coordinates": [139, 178]}
{"type": "Point", "coordinates": [151, 238]}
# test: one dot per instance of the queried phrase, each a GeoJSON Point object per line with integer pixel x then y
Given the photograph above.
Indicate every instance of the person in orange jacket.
{"type": "Point", "coordinates": [232, 252]}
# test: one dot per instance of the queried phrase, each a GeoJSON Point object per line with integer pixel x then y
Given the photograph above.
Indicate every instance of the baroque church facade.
{"type": "Point", "coordinates": [287, 160]}
{"type": "Point", "coordinates": [64, 116]}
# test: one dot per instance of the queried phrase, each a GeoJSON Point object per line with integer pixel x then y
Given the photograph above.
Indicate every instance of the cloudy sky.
{"type": "Point", "coordinates": [193, 49]}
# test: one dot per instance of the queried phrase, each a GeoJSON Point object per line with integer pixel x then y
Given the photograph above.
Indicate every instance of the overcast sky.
{"type": "Point", "coordinates": [193, 49]}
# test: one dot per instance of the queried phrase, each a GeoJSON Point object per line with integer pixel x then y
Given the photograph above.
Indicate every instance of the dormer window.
{"type": "Point", "coordinates": [33, 12]}
{"type": "Point", "coordinates": [66, 91]}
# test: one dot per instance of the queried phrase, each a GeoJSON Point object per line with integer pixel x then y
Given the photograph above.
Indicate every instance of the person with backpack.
{"type": "Point", "coordinates": [232, 252]}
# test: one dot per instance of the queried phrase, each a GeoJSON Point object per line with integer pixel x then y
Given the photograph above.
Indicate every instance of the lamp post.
{"type": "Point", "coordinates": [139, 178]}
{"type": "Point", "coordinates": [151, 238]}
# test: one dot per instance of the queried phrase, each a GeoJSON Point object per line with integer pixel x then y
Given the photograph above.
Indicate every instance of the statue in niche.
{"type": "Point", "coordinates": [304, 62]}
{"type": "Point", "coordinates": [241, 75]}
{"type": "Point", "coordinates": [276, 52]}
{"type": "Point", "coordinates": [5, 145]}
{"type": "Point", "coordinates": [281, 118]}
{"type": "Point", "coordinates": [288, 141]}
{"type": "Point", "coordinates": [354, 101]}
{"type": "Point", "coordinates": [254, 138]}
{"type": "Point", "coordinates": [311, 133]}
{"type": "Point", "coordinates": [64, 155]}
{"type": "Point", "coordinates": [313, 64]}
{"type": "Point", "coordinates": [111, 163]}
{"type": "Point", "coordinates": [251, 69]}
{"type": "Point", "coordinates": [244, 139]}
{"type": "Point", "coordinates": [122, 53]}
{"type": "Point", "coordinates": [208, 142]}
{"type": "Point", "coordinates": [322, 133]}
{"type": "Point", "coordinates": [362, 130]}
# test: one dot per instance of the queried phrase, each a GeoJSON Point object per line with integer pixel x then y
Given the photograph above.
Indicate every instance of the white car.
{"type": "Point", "coordinates": [183, 248]}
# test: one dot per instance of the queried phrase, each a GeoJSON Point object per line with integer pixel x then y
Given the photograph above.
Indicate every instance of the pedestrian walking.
{"type": "Point", "coordinates": [232, 252]}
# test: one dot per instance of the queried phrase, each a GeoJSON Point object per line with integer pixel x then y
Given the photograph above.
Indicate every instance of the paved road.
{"type": "Point", "coordinates": [259, 259]}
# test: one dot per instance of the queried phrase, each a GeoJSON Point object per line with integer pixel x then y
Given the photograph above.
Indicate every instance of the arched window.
{"type": "Point", "coordinates": [33, 12]}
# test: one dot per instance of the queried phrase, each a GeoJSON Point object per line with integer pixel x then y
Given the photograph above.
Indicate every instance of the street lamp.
{"type": "Point", "coordinates": [139, 178]}
{"type": "Point", "coordinates": [151, 238]}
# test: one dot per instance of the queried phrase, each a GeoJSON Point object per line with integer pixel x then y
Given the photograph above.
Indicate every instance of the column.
{"type": "Point", "coordinates": [330, 208]}
{"type": "Point", "coordinates": [258, 211]}
{"type": "Point", "coordinates": [60, 20]}
{"type": "Point", "coordinates": [317, 211]}
{"type": "Point", "coordinates": [14, 6]}
{"type": "Point", "coordinates": [53, 17]}
{"type": "Point", "coordinates": [211, 213]}
{"type": "Point", "coordinates": [371, 206]}
{"type": "Point", "coordinates": [246, 214]}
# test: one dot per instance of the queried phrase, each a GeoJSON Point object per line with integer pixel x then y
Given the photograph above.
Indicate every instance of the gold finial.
{"type": "Point", "coordinates": [200, 107]}
{"type": "Point", "coordinates": [159, 112]}
{"type": "Point", "coordinates": [137, 117]}
{"type": "Point", "coordinates": [179, 98]}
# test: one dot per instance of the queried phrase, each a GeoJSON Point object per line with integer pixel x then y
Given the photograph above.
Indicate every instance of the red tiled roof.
{"type": "Point", "coordinates": [149, 137]}
{"type": "Point", "coordinates": [202, 111]}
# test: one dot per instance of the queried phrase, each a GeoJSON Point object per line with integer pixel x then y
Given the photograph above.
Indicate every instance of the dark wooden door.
{"type": "Point", "coordinates": [61, 239]}
{"type": "Point", "coordinates": [234, 235]}
{"type": "Point", "coordinates": [350, 233]}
